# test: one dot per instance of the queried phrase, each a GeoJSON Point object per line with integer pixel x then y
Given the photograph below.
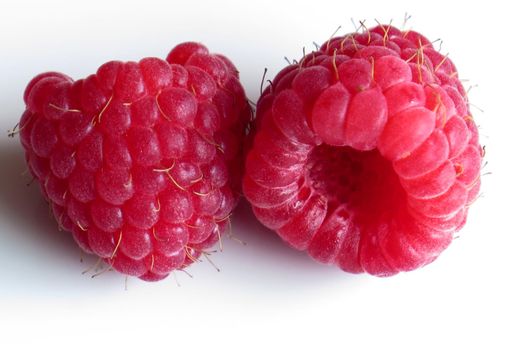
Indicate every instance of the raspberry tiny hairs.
{"type": "Point", "coordinates": [142, 160]}
{"type": "Point", "coordinates": [365, 153]}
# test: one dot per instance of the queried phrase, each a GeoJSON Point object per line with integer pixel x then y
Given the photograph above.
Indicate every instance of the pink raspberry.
{"type": "Point", "coordinates": [365, 153]}
{"type": "Point", "coordinates": [140, 161]}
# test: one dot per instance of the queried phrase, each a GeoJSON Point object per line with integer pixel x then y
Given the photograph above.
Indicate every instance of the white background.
{"type": "Point", "coordinates": [266, 294]}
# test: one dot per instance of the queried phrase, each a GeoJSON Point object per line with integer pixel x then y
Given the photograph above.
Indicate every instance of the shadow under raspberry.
{"type": "Point", "coordinates": [34, 254]}
{"type": "Point", "coordinates": [38, 258]}
{"type": "Point", "coordinates": [266, 261]}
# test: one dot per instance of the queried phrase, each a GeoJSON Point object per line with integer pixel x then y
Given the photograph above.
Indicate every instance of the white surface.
{"type": "Point", "coordinates": [266, 294]}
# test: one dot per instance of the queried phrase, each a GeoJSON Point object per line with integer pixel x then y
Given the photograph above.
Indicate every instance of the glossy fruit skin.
{"type": "Point", "coordinates": [142, 160]}
{"type": "Point", "coordinates": [365, 153]}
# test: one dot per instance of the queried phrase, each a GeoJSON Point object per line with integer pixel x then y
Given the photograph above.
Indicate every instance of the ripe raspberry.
{"type": "Point", "coordinates": [365, 153]}
{"type": "Point", "coordinates": [140, 161]}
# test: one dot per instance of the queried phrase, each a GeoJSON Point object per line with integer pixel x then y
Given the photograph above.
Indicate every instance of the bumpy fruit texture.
{"type": "Point", "coordinates": [140, 161]}
{"type": "Point", "coordinates": [365, 153]}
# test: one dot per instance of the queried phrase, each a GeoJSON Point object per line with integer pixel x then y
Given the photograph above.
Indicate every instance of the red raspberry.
{"type": "Point", "coordinates": [366, 154]}
{"type": "Point", "coordinates": [140, 161]}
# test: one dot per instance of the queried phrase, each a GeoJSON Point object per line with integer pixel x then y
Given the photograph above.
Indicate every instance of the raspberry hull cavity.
{"type": "Point", "coordinates": [365, 153]}
{"type": "Point", "coordinates": [140, 161]}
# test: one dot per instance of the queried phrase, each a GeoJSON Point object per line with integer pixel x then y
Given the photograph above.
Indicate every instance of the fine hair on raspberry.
{"type": "Point", "coordinates": [141, 161]}
{"type": "Point", "coordinates": [365, 153]}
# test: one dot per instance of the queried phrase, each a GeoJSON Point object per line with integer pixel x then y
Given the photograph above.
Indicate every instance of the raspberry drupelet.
{"type": "Point", "coordinates": [142, 160]}
{"type": "Point", "coordinates": [365, 153]}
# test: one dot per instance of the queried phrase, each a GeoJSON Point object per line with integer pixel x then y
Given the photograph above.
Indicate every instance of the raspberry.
{"type": "Point", "coordinates": [140, 161]}
{"type": "Point", "coordinates": [365, 153]}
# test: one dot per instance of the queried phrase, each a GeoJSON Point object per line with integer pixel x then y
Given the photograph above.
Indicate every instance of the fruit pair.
{"type": "Point", "coordinates": [364, 154]}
